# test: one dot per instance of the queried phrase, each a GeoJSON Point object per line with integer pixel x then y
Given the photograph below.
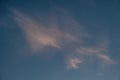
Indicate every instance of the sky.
{"type": "Point", "coordinates": [59, 40]}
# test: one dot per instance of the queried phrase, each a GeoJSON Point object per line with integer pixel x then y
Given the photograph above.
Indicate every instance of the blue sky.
{"type": "Point", "coordinates": [59, 40]}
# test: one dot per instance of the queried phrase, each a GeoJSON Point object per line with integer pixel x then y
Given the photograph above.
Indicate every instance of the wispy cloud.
{"type": "Point", "coordinates": [89, 51]}
{"type": "Point", "coordinates": [73, 63]}
{"type": "Point", "coordinates": [99, 50]}
{"type": "Point", "coordinates": [40, 36]}
{"type": "Point", "coordinates": [59, 32]}
{"type": "Point", "coordinates": [106, 59]}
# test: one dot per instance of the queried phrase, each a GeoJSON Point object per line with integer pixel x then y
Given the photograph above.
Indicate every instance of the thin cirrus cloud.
{"type": "Point", "coordinates": [40, 36]}
{"type": "Point", "coordinates": [106, 59]}
{"type": "Point", "coordinates": [97, 52]}
{"type": "Point", "coordinates": [100, 51]}
{"type": "Point", "coordinates": [92, 51]}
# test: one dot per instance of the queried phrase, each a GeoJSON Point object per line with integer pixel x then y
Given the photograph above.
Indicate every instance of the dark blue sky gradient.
{"type": "Point", "coordinates": [17, 62]}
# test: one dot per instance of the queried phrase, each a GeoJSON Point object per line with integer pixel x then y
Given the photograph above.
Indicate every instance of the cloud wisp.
{"type": "Point", "coordinates": [73, 63]}
{"type": "Point", "coordinates": [40, 36]}
{"type": "Point", "coordinates": [58, 33]}
{"type": "Point", "coordinates": [94, 51]}
{"type": "Point", "coordinates": [100, 51]}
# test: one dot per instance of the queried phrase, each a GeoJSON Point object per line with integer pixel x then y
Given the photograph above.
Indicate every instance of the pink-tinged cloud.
{"type": "Point", "coordinates": [69, 32]}
{"type": "Point", "coordinates": [40, 36]}
{"type": "Point", "coordinates": [106, 59]}
{"type": "Point", "coordinates": [95, 52]}
{"type": "Point", "coordinates": [100, 51]}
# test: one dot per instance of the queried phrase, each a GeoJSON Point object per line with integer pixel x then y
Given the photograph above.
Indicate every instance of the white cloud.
{"type": "Point", "coordinates": [73, 63]}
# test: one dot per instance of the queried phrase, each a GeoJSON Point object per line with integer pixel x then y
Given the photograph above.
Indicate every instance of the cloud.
{"type": "Point", "coordinates": [99, 50]}
{"type": "Point", "coordinates": [39, 35]}
{"type": "Point", "coordinates": [73, 63]}
{"type": "Point", "coordinates": [106, 59]}
{"type": "Point", "coordinates": [57, 31]}
{"type": "Point", "coordinates": [95, 52]}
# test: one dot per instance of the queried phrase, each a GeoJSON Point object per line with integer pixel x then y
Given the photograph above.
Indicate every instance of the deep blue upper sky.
{"type": "Point", "coordinates": [59, 40]}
